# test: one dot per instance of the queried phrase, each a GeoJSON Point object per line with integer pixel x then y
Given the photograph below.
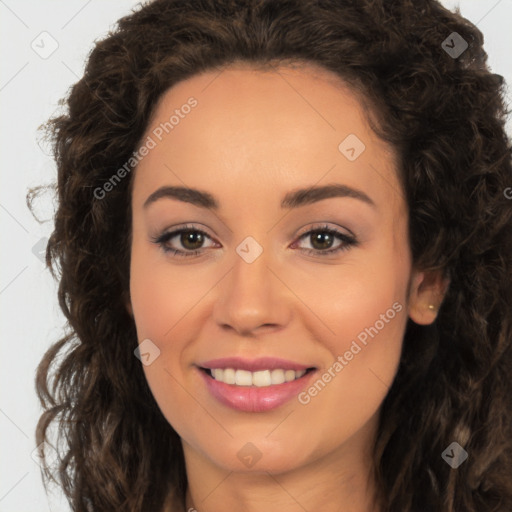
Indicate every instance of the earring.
{"type": "Point", "coordinates": [431, 307]}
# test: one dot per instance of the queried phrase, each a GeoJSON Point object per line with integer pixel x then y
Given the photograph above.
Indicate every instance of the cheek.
{"type": "Point", "coordinates": [152, 307]}
{"type": "Point", "coordinates": [366, 313]}
{"type": "Point", "coordinates": [157, 313]}
{"type": "Point", "coordinates": [360, 298]}
{"type": "Point", "coordinates": [160, 296]}
{"type": "Point", "coordinates": [363, 357]}
{"type": "Point", "coordinates": [163, 303]}
{"type": "Point", "coordinates": [368, 342]}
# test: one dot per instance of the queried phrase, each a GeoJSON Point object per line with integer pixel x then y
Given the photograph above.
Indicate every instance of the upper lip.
{"type": "Point", "coordinates": [254, 365]}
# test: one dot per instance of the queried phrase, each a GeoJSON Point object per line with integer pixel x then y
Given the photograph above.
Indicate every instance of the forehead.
{"type": "Point", "coordinates": [265, 128]}
{"type": "Point", "coordinates": [241, 99]}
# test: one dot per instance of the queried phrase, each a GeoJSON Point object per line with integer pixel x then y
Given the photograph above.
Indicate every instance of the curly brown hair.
{"type": "Point", "coordinates": [445, 116]}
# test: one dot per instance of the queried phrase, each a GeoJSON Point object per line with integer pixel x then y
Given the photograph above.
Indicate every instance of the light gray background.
{"type": "Point", "coordinates": [30, 87]}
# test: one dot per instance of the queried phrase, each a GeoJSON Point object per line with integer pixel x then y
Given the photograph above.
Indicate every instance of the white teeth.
{"type": "Point", "coordinates": [289, 375]}
{"type": "Point", "coordinates": [229, 376]}
{"type": "Point", "coordinates": [261, 379]}
{"type": "Point", "coordinates": [243, 378]}
{"type": "Point", "coordinates": [277, 376]}
{"type": "Point", "coordinates": [218, 373]}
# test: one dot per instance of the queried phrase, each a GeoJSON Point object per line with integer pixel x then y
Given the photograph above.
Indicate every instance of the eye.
{"type": "Point", "coordinates": [323, 238]}
{"type": "Point", "coordinates": [190, 238]}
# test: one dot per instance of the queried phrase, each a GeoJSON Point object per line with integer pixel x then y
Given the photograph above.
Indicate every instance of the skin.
{"type": "Point", "coordinates": [254, 136]}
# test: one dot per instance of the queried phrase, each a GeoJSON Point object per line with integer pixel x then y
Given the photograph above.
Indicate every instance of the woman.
{"type": "Point", "coordinates": [285, 248]}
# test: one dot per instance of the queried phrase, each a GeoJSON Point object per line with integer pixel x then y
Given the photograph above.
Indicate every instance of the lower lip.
{"type": "Point", "coordinates": [253, 398]}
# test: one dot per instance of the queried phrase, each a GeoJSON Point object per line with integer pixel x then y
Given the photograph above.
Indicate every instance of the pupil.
{"type": "Point", "coordinates": [324, 239]}
{"type": "Point", "coordinates": [191, 236]}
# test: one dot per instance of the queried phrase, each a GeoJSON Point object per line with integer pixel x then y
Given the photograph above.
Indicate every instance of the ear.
{"type": "Point", "coordinates": [426, 293]}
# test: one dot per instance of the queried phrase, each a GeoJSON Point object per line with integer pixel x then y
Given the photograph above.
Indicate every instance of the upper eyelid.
{"type": "Point", "coordinates": [323, 226]}
{"type": "Point", "coordinates": [316, 227]}
{"type": "Point", "coordinates": [172, 233]}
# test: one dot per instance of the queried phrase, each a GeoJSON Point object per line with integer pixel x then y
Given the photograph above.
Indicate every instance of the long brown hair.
{"type": "Point", "coordinates": [444, 114]}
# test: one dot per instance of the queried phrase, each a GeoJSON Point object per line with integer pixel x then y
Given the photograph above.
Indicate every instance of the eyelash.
{"type": "Point", "coordinates": [164, 238]}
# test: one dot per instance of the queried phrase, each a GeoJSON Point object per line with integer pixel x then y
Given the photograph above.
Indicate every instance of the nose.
{"type": "Point", "coordinates": [252, 297]}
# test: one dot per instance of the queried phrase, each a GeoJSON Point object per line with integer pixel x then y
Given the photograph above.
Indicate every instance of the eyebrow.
{"type": "Point", "coordinates": [294, 199]}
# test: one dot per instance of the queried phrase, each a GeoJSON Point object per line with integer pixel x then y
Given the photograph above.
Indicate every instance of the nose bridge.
{"type": "Point", "coordinates": [251, 295]}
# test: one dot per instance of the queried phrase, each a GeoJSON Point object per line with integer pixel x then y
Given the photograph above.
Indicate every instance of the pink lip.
{"type": "Point", "coordinates": [254, 365]}
{"type": "Point", "coordinates": [253, 398]}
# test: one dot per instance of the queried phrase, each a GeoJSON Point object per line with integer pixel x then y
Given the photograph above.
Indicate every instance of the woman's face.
{"type": "Point", "coordinates": [269, 158]}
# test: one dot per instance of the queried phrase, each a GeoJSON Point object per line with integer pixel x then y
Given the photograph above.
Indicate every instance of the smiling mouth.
{"type": "Point", "coordinates": [262, 378]}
